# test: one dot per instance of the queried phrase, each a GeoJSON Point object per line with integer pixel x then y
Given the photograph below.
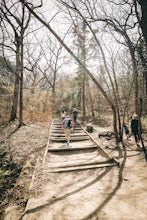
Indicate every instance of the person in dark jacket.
{"type": "Point", "coordinates": [136, 128]}
{"type": "Point", "coordinates": [75, 115]}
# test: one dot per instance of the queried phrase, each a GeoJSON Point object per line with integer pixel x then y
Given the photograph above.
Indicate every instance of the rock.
{"type": "Point", "coordinates": [89, 129]}
{"type": "Point", "coordinates": [107, 134]}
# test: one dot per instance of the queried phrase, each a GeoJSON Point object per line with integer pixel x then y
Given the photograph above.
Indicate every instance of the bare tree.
{"type": "Point", "coordinates": [124, 24]}
{"type": "Point", "coordinates": [44, 67]}
{"type": "Point", "coordinates": [15, 16]}
{"type": "Point", "coordinates": [143, 17]}
{"type": "Point", "coordinates": [80, 62]}
{"type": "Point", "coordinates": [141, 14]}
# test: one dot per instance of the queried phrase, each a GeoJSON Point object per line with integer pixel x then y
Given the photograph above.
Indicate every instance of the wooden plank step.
{"type": "Point", "coordinates": [82, 168]}
{"type": "Point", "coordinates": [61, 130]}
{"type": "Point", "coordinates": [82, 162]}
{"type": "Point", "coordinates": [71, 135]}
{"type": "Point", "coordinates": [60, 123]}
{"type": "Point", "coordinates": [73, 148]}
{"type": "Point", "coordinates": [62, 139]}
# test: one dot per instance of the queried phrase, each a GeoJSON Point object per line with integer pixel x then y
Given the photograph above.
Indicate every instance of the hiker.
{"type": "Point", "coordinates": [136, 128]}
{"type": "Point", "coordinates": [75, 115]}
{"type": "Point", "coordinates": [63, 114]}
{"type": "Point", "coordinates": [126, 128]}
{"type": "Point", "coordinates": [67, 125]}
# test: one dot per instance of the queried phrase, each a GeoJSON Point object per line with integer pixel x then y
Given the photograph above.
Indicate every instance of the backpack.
{"type": "Point", "coordinates": [67, 123]}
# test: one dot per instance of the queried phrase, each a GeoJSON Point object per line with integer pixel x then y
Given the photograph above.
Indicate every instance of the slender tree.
{"type": "Point", "coordinates": [18, 23]}
{"type": "Point", "coordinates": [80, 62]}
{"type": "Point", "coordinates": [143, 21]}
{"type": "Point", "coordinates": [141, 15]}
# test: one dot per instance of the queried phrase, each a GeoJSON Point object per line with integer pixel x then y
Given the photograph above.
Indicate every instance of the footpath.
{"type": "Point", "coordinates": [118, 193]}
{"type": "Point", "coordinates": [108, 193]}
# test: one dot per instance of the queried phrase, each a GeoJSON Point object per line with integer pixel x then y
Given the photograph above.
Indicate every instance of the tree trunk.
{"type": "Point", "coordinates": [79, 98]}
{"type": "Point", "coordinates": [53, 102]}
{"type": "Point", "coordinates": [21, 88]}
{"type": "Point", "coordinates": [90, 99]}
{"type": "Point", "coordinates": [16, 85]}
{"type": "Point", "coordinates": [83, 100]}
{"type": "Point", "coordinates": [143, 4]}
{"type": "Point", "coordinates": [117, 136]}
{"type": "Point", "coordinates": [143, 25]}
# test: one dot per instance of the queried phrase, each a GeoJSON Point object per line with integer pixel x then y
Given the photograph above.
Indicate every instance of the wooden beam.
{"type": "Point", "coordinates": [62, 139]}
{"type": "Point", "coordinates": [82, 168]}
{"type": "Point", "coordinates": [71, 135]}
{"type": "Point", "coordinates": [95, 147]}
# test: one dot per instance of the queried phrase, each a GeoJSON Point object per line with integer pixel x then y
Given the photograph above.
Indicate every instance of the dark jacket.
{"type": "Point", "coordinates": [135, 126]}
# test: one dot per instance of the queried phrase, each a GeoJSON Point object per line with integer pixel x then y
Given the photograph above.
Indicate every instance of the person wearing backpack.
{"type": "Point", "coordinates": [67, 125]}
{"type": "Point", "coordinates": [126, 129]}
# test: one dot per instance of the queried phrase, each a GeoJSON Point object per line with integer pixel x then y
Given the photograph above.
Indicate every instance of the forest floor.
{"type": "Point", "coordinates": [118, 193]}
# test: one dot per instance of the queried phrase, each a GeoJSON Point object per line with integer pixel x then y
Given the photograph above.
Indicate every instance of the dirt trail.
{"type": "Point", "coordinates": [117, 193]}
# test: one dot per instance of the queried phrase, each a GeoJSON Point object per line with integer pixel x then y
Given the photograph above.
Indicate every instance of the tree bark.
{"type": "Point", "coordinates": [13, 115]}
{"type": "Point", "coordinates": [21, 87]}
{"type": "Point", "coordinates": [143, 4]}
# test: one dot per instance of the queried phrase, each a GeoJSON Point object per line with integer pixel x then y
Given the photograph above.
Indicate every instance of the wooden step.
{"type": "Point", "coordinates": [81, 162]}
{"type": "Point", "coordinates": [60, 123]}
{"type": "Point", "coordinates": [62, 139]}
{"type": "Point", "coordinates": [71, 135]}
{"type": "Point", "coordinates": [78, 168]}
{"type": "Point", "coordinates": [60, 128]}
{"type": "Point", "coordinates": [95, 147]}
{"type": "Point", "coordinates": [60, 131]}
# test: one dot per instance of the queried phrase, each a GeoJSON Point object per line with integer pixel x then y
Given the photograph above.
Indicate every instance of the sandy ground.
{"type": "Point", "coordinates": [107, 193]}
